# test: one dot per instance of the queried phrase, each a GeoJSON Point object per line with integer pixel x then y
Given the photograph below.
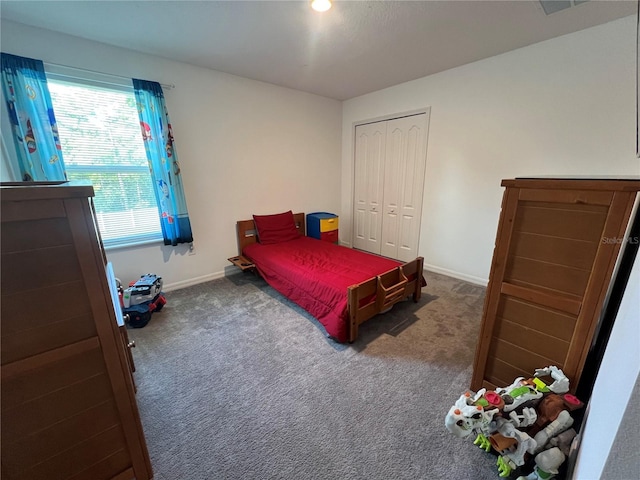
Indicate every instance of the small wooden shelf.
{"type": "Point", "coordinates": [242, 263]}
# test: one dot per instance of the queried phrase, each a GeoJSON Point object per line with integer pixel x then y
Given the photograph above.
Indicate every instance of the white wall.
{"type": "Point", "coordinates": [561, 107]}
{"type": "Point", "coordinates": [613, 389]}
{"type": "Point", "coordinates": [244, 147]}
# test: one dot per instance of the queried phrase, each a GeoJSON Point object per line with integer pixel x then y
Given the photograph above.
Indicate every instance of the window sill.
{"type": "Point", "coordinates": [140, 243]}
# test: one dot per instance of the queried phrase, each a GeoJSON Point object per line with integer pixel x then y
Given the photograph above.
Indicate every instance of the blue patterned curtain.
{"type": "Point", "coordinates": [34, 128]}
{"type": "Point", "coordinates": [163, 162]}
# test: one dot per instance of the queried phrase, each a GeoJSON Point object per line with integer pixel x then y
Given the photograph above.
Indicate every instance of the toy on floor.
{"type": "Point", "coordinates": [141, 299]}
{"type": "Point", "coordinates": [143, 290]}
{"type": "Point", "coordinates": [522, 421]}
{"type": "Point", "coordinates": [547, 464]}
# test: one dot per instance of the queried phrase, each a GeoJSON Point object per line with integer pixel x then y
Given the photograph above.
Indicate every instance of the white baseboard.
{"type": "Point", "coordinates": [193, 281]}
{"type": "Point", "coordinates": [214, 276]}
{"type": "Point", "coordinates": [460, 276]}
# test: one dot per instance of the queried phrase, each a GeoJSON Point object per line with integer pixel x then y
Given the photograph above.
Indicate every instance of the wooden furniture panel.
{"type": "Point", "coordinates": [497, 370]}
{"type": "Point", "coordinates": [544, 344]}
{"type": "Point", "coordinates": [21, 236]}
{"type": "Point", "coordinates": [115, 462]}
{"type": "Point", "coordinates": [567, 196]}
{"type": "Point", "coordinates": [59, 438]}
{"type": "Point", "coordinates": [40, 268]}
{"type": "Point", "coordinates": [514, 356]}
{"type": "Point", "coordinates": [551, 268]}
{"type": "Point", "coordinates": [559, 251]}
{"type": "Point", "coordinates": [38, 382]}
{"type": "Point", "coordinates": [34, 414]}
{"type": "Point", "coordinates": [544, 297]}
{"type": "Point", "coordinates": [58, 318]}
{"type": "Point", "coordinates": [68, 400]}
{"type": "Point", "coordinates": [59, 302]}
{"type": "Point", "coordinates": [536, 317]}
{"type": "Point", "coordinates": [34, 210]}
{"type": "Point", "coordinates": [74, 460]}
{"type": "Point", "coordinates": [525, 271]}
{"type": "Point", "coordinates": [553, 220]}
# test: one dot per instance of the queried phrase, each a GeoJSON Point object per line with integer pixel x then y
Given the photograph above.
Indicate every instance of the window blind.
{"type": "Point", "coordinates": [101, 143]}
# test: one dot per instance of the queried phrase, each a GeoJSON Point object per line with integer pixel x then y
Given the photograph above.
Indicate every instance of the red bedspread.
{"type": "Point", "coordinates": [315, 275]}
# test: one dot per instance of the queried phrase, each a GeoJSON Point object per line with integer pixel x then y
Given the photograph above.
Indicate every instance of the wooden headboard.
{"type": "Point", "coordinates": [246, 230]}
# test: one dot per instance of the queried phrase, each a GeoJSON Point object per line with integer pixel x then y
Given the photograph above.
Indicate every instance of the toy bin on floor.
{"type": "Point", "coordinates": [323, 226]}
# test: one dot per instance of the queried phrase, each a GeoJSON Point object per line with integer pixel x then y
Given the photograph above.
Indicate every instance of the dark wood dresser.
{"type": "Point", "coordinates": [68, 401]}
{"type": "Point", "coordinates": [556, 250]}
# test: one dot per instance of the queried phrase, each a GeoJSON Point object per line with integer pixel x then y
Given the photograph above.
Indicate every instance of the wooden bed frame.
{"type": "Point", "coordinates": [368, 298]}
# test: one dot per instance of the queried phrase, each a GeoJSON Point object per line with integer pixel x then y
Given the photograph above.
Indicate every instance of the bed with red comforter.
{"type": "Point", "coordinates": [339, 286]}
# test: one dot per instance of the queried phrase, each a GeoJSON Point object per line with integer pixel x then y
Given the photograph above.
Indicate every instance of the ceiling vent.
{"type": "Point", "coordinates": [553, 6]}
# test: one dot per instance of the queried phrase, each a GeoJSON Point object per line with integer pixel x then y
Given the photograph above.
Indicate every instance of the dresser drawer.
{"type": "Point", "coordinates": [329, 224]}
{"type": "Point", "coordinates": [331, 236]}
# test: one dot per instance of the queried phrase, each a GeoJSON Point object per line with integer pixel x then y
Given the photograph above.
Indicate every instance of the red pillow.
{"type": "Point", "coordinates": [277, 228]}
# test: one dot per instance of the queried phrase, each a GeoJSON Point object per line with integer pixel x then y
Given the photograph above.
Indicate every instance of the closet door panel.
{"type": "Point", "coordinates": [406, 164]}
{"type": "Point", "coordinates": [359, 228]}
{"type": "Point", "coordinates": [395, 152]}
{"type": "Point", "coordinates": [368, 192]}
{"type": "Point", "coordinates": [413, 186]}
{"type": "Point", "coordinates": [390, 229]}
{"type": "Point", "coordinates": [408, 236]}
{"type": "Point", "coordinates": [360, 189]}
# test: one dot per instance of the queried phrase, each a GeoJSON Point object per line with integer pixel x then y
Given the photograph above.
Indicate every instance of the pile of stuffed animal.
{"type": "Point", "coordinates": [528, 420]}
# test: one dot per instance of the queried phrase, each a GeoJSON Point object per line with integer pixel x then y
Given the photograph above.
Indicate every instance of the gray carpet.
{"type": "Point", "coordinates": [236, 382]}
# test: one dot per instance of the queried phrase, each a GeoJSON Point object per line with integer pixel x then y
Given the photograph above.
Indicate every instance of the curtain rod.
{"type": "Point", "coordinates": [164, 85]}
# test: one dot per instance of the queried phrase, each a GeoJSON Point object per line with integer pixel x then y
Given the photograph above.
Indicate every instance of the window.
{"type": "Point", "coordinates": [101, 143]}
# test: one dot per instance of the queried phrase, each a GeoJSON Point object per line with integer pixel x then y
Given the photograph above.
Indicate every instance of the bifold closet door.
{"type": "Point", "coordinates": [390, 162]}
{"type": "Point", "coordinates": [369, 182]}
{"type": "Point", "coordinates": [555, 252]}
{"type": "Point", "coordinates": [404, 170]}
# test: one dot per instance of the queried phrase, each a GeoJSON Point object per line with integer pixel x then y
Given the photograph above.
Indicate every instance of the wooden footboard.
{"type": "Point", "coordinates": [367, 299]}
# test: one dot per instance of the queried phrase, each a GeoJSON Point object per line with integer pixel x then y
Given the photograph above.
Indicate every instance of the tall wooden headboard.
{"type": "Point", "coordinates": [246, 230]}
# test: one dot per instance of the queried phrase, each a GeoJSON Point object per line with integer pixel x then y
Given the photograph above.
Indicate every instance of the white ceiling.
{"type": "Point", "coordinates": [355, 48]}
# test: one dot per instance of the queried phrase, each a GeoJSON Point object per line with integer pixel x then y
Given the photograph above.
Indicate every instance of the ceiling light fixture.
{"type": "Point", "coordinates": [321, 5]}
